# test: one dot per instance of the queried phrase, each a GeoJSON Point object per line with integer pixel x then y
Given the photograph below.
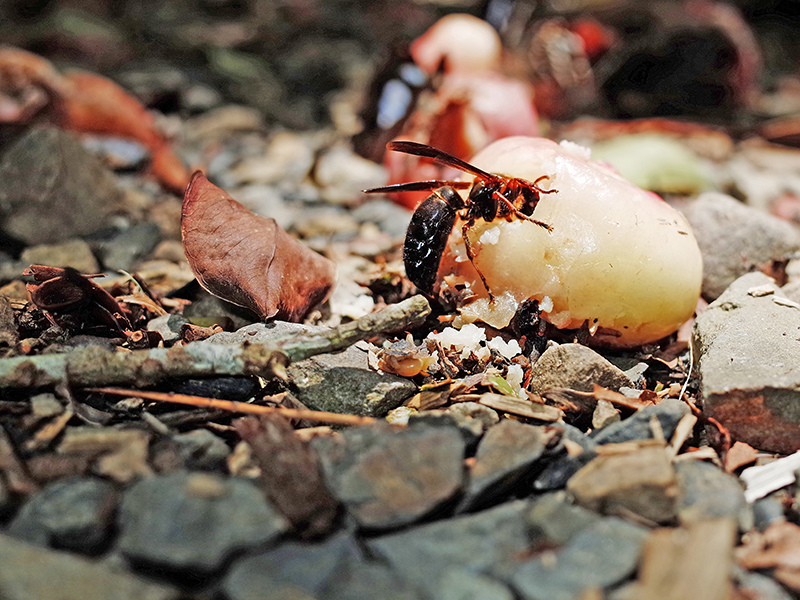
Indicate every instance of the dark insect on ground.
{"type": "Point", "coordinates": [491, 196]}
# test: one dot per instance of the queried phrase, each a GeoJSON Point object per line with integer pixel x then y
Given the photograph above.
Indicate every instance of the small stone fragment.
{"type": "Point", "coordinates": [576, 367]}
{"type": "Point", "coordinates": [735, 238]}
{"type": "Point", "coordinates": [557, 519]}
{"type": "Point", "coordinates": [72, 513]}
{"type": "Point", "coordinates": [71, 253]}
{"type": "Point", "coordinates": [749, 365]}
{"type": "Point", "coordinates": [126, 248]}
{"type": "Point", "coordinates": [169, 326]}
{"type": "Point", "coordinates": [638, 426]}
{"type": "Point", "coordinates": [642, 482]}
{"type": "Point", "coordinates": [506, 454]}
{"type": "Point", "coordinates": [602, 554]}
{"type": "Point", "coordinates": [202, 450]}
{"type": "Point", "coordinates": [45, 405]}
{"type": "Point", "coordinates": [483, 414]}
{"type": "Point", "coordinates": [489, 542]}
{"type": "Point", "coordinates": [604, 414]}
{"type": "Point", "coordinates": [194, 521]}
{"type": "Point", "coordinates": [388, 477]}
{"type": "Point", "coordinates": [28, 571]}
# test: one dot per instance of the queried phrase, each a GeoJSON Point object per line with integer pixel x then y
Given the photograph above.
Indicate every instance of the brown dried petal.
{"type": "Point", "coordinates": [247, 259]}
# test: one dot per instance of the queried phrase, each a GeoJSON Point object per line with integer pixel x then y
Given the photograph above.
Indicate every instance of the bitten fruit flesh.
{"type": "Point", "coordinates": [619, 259]}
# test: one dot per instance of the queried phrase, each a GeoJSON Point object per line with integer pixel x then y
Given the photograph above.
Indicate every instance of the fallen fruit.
{"type": "Point", "coordinates": [619, 259]}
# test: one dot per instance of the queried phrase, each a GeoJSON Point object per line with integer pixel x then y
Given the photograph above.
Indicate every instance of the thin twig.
{"type": "Point", "coordinates": [95, 366]}
{"type": "Point", "coordinates": [316, 416]}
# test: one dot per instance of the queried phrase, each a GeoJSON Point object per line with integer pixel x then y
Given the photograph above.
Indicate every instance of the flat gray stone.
{"type": "Point", "coordinates": [735, 238]}
{"type": "Point", "coordinates": [75, 513]}
{"type": "Point", "coordinates": [28, 571]}
{"type": "Point", "coordinates": [507, 453]}
{"type": "Point", "coordinates": [169, 326]}
{"type": "Point", "coordinates": [460, 584]}
{"type": "Point", "coordinates": [490, 542]}
{"type": "Point", "coordinates": [669, 412]}
{"type": "Point", "coordinates": [576, 367]}
{"type": "Point", "coordinates": [53, 189]}
{"type": "Point", "coordinates": [642, 482]}
{"type": "Point", "coordinates": [70, 253]}
{"type": "Point", "coordinates": [748, 358]}
{"type": "Point", "coordinates": [604, 553]}
{"type": "Point", "coordinates": [388, 477]}
{"type": "Point", "coordinates": [708, 492]}
{"type": "Point", "coordinates": [194, 520]}
{"type": "Point", "coordinates": [126, 248]}
{"type": "Point", "coordinates": [342, 382]}
{"type": "Point", "coordinates": [557, 520]}
{"type": "Point", "coordinates": [562, 465]}
{"type": "Point", "coordinates": [302, 566]}
{"type": "Point", "coordinates": [202, 450]}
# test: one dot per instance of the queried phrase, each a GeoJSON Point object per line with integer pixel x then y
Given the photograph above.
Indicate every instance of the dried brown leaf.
{"type": "Point", "coordinates": [291, 475]}
{"type": "Point", "coordinates": [247, 259]}
{"type": "Point", "coordinates": [93, 104]}
{"type": "Point", "coordinates": [86, 103]}
{"type": "Point", "coordinates": [778, 547]}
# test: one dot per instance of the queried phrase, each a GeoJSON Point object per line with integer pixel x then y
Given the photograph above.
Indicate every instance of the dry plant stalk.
{"type": "Point", "coordinates": [94, 366]}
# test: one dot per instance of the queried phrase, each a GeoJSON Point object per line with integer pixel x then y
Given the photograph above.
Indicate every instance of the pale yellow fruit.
{"type": "Point", "coordinates": [618, 258]}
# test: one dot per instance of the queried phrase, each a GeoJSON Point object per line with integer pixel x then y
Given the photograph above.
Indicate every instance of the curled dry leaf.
{"type": "Point", "coordinates": [94, 104]}
{"type": "Point", "coordinates": [65, 292]}
{"type": "Point", "coordinates": [86, 103]}
{"type": "Point", "coordinates": [247, 259]}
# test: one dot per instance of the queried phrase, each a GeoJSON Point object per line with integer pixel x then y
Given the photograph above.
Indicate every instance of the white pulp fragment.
{"type": "Point", "coordinates": [506, 349]}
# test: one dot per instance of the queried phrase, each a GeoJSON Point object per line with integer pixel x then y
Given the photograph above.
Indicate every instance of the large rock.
{"type": "Point", "coordinates": [748, 360]}
{"type": "Point", "coordinates": [389, 477]}
{"type": "Point", "coordinates": [52, 189]}
{"type": "Point", "coordinates": [735, 238]}
{"type": "Point", "coordinates": [194, 520]}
